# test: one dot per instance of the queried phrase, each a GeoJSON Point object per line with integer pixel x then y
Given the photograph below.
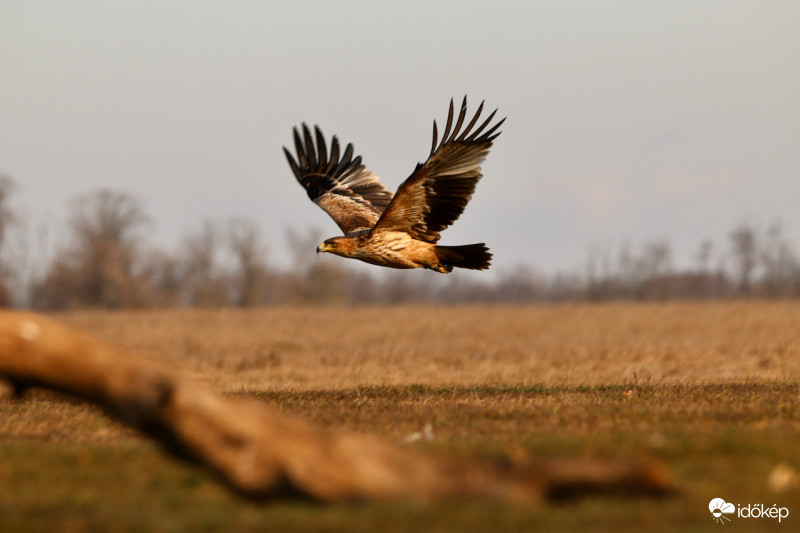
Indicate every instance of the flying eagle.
{"type": "Point", "coordinates": [399, 231]}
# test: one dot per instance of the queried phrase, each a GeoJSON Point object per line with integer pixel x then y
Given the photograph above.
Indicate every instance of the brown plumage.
{"type": "Point", "coordinates": [399, 231]}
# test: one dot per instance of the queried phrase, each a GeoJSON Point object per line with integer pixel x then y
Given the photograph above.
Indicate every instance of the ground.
{"type": "Point", "coordinates": [712, 389]}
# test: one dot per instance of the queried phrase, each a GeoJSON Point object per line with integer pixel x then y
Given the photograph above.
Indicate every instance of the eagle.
{"type": "Point", "coordinates": [400, 230]}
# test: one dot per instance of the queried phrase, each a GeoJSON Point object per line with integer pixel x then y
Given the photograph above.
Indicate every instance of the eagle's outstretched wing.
{"type": "Point", "coordinates": [437, 192]}
{"type": "Point", "coordinates": [353, 196]}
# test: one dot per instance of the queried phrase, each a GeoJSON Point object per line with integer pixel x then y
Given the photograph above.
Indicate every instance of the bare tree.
{"type": "Point", "coordinates": [7, 187]}
{"type": "Point", "coordinates": [656, 269]}
{"type": "Point", "coordinates": [744, 254]}
{"type": "Point", "coordinates": [703, 255]}
{"type": "Point", "coordinates": [161, 269]}
{"type": "Point", "coordinates": [779, 263]}
{"type": "Point", "coordinates": [98, 268]}
{"type": "Point", "coordinates": [628, 276]}
{"type": "Point", "coordinates": [202, 277]}
{"type": "Point", "coordinates": [598, 269]}
{"type": "Point", "coordinates": [251, 275]}
{"type": "Point", "coordinates": [6, 218]}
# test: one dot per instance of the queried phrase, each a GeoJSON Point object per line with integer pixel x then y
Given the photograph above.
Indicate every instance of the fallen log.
{"type": "Point", "coordinates": [264, 454]}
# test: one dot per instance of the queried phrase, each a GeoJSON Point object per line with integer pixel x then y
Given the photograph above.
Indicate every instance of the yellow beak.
{"type": "Point", "coordinates": [323, 248]}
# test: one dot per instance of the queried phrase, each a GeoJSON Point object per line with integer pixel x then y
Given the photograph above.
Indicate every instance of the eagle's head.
{"type": "Point", "coordinates": [336, 245]}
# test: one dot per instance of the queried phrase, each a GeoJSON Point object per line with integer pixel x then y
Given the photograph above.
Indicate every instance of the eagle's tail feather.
{"type": "Point", "coordinates": [472, 256]}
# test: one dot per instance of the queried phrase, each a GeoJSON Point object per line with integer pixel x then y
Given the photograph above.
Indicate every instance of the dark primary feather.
{"type": "Point", "coordinates": [351, 194]}
{"type": "Point", "coordinates": [437, 192]}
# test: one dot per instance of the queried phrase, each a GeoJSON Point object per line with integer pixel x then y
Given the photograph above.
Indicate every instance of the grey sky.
{"type": "Point", "coordinates": [626, 120]}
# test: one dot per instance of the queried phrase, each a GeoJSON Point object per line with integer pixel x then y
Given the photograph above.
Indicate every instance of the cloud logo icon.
{"type": "Point", "coordinates": [719, 508]}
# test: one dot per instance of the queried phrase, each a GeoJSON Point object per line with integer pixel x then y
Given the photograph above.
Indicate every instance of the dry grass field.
{"type": "Point", "coordinates": [712, 389]}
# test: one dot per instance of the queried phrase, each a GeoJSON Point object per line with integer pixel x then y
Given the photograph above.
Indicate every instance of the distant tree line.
{"type": "Point", "coordinates": [104, 260]}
